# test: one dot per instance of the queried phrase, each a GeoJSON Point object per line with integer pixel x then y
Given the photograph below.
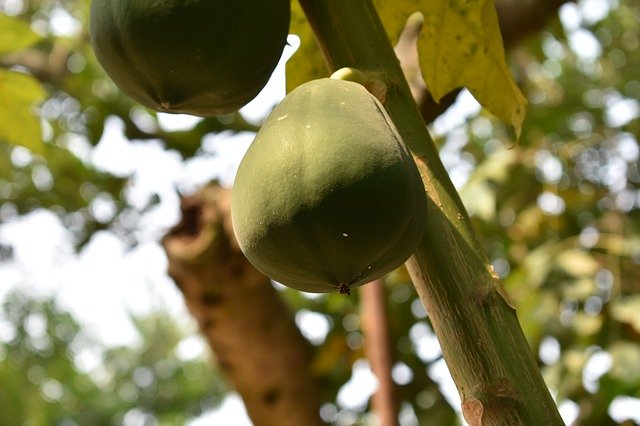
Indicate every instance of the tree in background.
{"type": "Point", "coordinates": [557, 212]}
{"type": "Point", "coordinates": [54, 373]}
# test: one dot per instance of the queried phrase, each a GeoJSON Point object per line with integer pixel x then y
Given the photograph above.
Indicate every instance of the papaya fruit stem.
{"type": "Point", "coordinates": [344, 289]}
{"type": "Point", "coordinates": [350, 74]}
{"type": "Point", "coordinates": [373, 82]}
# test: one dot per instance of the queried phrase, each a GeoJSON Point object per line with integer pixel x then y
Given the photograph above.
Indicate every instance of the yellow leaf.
{"type": "Point", "coordinates": [461, 46]}
{"type": "Point", "coordinates": [307, 62]}
{"type": "Point", "coordinates": [394, 14]}
{"type": "Point", "coordinates": [18, 125]}
{"type": "Point", "coordinates": [15, 35]}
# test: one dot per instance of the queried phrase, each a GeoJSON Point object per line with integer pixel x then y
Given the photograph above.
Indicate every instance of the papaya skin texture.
{"type": "Point", "coordinates": [198, 57]}
{"type": "Point", "coordinates": [327, 197]}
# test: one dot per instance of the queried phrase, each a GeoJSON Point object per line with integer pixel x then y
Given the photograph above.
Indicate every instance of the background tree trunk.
{"type": "Point", "coordinates": [255, 340]}
{"type": "Point", "coordinates": [378, 349]}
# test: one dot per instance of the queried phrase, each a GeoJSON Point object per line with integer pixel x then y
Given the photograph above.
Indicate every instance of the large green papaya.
{"type": "Point", "coordinates": [199, 57]}
{"type": "Point", "coordinates": [327, 196]}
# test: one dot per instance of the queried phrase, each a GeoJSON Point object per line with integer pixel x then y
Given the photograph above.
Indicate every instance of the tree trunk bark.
{"type": "Point", "coordinates": [378, 350]}
{"type": "Point", "coordinates": [256, 342]}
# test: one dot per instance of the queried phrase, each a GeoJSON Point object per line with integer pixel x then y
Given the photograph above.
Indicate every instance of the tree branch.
{"type": "Point", "coordinates": [51, 67]}
{"type": "Point", "coordinates": [253, 335]}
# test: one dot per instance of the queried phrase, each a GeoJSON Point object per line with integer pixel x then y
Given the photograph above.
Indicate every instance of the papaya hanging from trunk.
{"type": "Point", "coordinates": [199, 57]}
{"type": "Point", "coordinates": [327, 197]}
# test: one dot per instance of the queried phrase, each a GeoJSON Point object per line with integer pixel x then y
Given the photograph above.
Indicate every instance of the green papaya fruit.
{"type": "Point", "coordinates": [199, 57]}
{"type": "Point", "coordinates": [327, 197]}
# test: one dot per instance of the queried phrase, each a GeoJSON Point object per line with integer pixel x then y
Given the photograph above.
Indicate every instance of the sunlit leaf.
{"type": "Point", "coordinates": [15, 35]}
{"type": "Point", "coordinates": [579, 289]}
{"type": "Point", "coordinates": [479, 199]}
{"type": "Point", "coordinates": [626, 361]}
{"type": "Point", "coordinates": [461, 46]}
{"type": "Point", "coordinates": [621, 245]}
{"type": "Point", "coordinates": [538, 264]}
{"type": "Point", "coordinates": [627, 310]}
{"type": "Point", "coordinates": [496, 166]}
{"type": "Point", "coordinates": [574, 360]}
{"type": "Point", "coordinates": [478, 194]}
{"type": "Point", "coordinates": [307, 62]}
{"type": "Point", "coordinates": [577, 263]}
{"type": "Point", "coordinates": [586, 325]}
{"type": "Point", "coordinates": [18, 125]}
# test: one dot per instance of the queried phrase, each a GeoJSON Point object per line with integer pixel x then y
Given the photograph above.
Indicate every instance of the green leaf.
{"type": "Point", "coordinates": [479, 198]}
{"type": "Point", "coordinates": [479, 194]}
{"type": "Point", "coordinates": [538, 264]}
{"type": "Point", "coordinates": [15, 35]}
{"type": "Point", "coordinates": [18, 125]}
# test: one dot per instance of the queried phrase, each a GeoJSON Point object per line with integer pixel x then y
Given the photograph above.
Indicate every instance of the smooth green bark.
{"type": "Point", "coordinates": [481, 339]}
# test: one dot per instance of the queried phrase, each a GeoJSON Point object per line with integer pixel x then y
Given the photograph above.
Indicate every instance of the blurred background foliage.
{"type": "Point", "coordinates": [54, 373]}
{"type": "Point", "coordinates": [558, 213]}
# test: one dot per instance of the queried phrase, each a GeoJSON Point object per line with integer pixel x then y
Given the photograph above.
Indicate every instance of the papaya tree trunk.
{"type": "Point", "coordinates": [255, 340]}
{"type": "Point", "coordinates": [485, 349]}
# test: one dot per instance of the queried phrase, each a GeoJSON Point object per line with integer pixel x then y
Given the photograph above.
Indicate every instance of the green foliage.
{"type": "Point", "coordinates": [57, 172]}
{"type": "Point", "coordinates": [16, 35]}
{"type": "Point", "coordinates": [557, 213]}
{"type": "Point", "coordinates": [414, 347]}
{"type": "Point", "coordinates": [46, 378]}
{"type": "Point", "coordinates": [53, 183]}
{"type": "Point", "coordinates": [306, 195]}
{"type": "Point", "coordinates": [18, 94]}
